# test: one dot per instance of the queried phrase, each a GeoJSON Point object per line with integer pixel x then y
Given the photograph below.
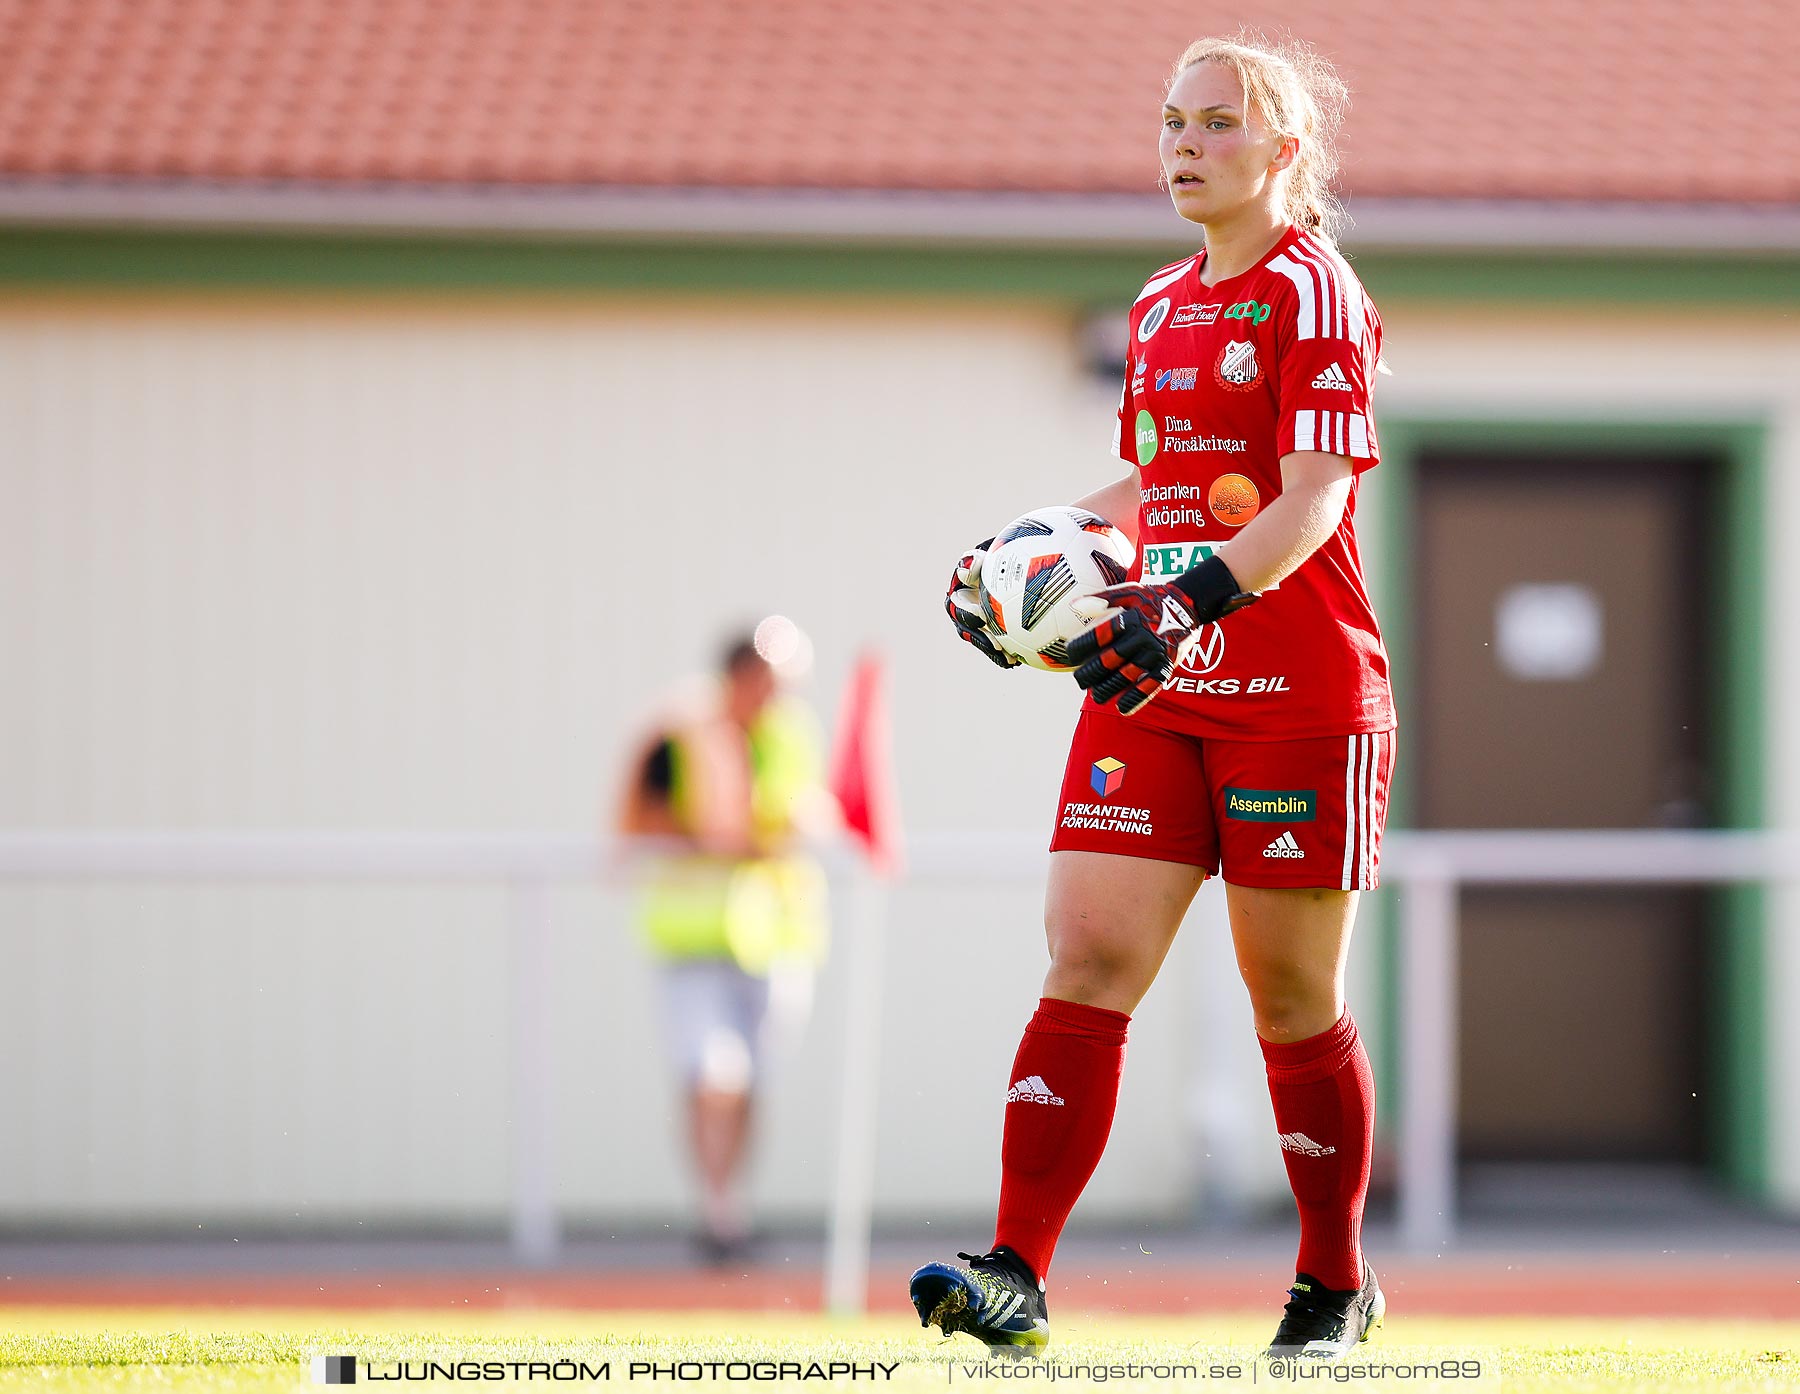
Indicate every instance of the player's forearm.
{"type": "Point", "coordinates": [1290, 529]}
{"type": "Point", "coordinates": [1117, 503]}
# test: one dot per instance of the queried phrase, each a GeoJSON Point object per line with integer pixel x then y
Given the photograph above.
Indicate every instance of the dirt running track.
{"type": "Point", "coordinates": [1761, 1287]}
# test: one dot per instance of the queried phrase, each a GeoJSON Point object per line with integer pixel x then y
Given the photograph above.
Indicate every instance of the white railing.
{"type": "Point", "coordinates": [1429, 870]}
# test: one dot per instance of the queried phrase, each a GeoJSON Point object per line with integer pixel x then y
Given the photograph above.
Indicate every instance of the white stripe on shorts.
{"type": "Point", "coordinates": [1365, 804]}
{"type": "Point", "coordinates": [1350, 809]}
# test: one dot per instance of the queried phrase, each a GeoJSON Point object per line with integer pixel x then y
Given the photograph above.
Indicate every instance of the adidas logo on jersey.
{"type": "Point", "coordinates": [1333, 377]}
{"type": "Point", "coordinates": [1305, 1146]}
{"type": "Point", "coordinates": [1284, 846]}
{"type": "Point", "coordinates": [1033, 1090]}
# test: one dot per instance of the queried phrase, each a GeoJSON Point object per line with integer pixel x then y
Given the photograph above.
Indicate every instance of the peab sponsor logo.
{"type": "Point", "coordinates": [1272, 805]}
{"type": "Point", "coordinates": [1195, 314]}
{"type": "Point", "coordinates": [1164, 560]}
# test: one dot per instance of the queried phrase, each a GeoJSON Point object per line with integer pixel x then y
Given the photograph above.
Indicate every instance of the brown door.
{"type": "Point", "coordinates": [1561, 675]}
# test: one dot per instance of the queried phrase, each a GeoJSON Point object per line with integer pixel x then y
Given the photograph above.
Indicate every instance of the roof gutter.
{"type": "Point", "coordinates": [887, 217]}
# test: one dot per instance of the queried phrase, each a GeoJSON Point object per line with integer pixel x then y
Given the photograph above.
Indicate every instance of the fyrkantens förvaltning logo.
{"type": "Point", "coordinates": [1272, 805]}
{"type": "Point", "coordinates": [1107, 777]}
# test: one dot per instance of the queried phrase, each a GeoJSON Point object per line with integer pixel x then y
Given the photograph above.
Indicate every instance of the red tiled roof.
{"type": "Point", "coordinates": [1582, 99]}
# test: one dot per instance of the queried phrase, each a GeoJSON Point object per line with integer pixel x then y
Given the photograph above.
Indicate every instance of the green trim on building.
{"type": "Point", "coordinates": [1737, 1011]}
{"type": "Point", "coordinates": [93, 257]}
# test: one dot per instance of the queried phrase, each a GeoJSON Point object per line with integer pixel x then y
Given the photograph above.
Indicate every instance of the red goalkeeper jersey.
{"type": "Point", "coordinates": [1223, 381]}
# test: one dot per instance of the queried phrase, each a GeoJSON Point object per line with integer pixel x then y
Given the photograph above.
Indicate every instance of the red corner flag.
{"type": "Point", "coordinates": [862, 767]}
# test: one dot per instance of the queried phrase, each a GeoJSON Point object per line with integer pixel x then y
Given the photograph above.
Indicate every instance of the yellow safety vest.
{"type": "Point", "coordinates": [758, 910]}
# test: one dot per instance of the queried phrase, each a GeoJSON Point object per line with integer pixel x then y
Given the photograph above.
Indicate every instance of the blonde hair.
{"type": "Point", "coordinates": [1296, 93]}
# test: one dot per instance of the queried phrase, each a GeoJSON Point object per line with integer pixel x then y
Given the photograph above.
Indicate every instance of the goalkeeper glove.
{"type": "Point", "coordinates": [963, 605]}
{"type": "Point", "coordinates": [1132, 654]}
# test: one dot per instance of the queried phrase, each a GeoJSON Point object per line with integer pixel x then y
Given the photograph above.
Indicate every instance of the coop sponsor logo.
{"type": "Point", "coordinates": [1106, 818]}
{"type": "Point", "coordinates": [1253, 310]}
{"type": "Point", "coordinates": [1272, 805]}
{"type": "Point", "coordinates": [1196, 314]}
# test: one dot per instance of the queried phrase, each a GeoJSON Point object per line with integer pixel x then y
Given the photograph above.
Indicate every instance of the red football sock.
{"type": "Point", "coordinates": [1059, 1110]}
{"type": "Point", "coordinates": [1324, 1095]}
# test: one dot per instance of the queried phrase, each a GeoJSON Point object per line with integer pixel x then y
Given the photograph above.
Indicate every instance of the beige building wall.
{"type": "Point", "coordinates": [396, 562]}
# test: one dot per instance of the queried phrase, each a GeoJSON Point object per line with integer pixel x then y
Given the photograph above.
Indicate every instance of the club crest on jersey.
{"type": "Point", "coordinates": [1237, 369]}
{"type": "Point", "coordinates": [1195, 314]}
{"type": "Point", "coordinates": [1153, 320]}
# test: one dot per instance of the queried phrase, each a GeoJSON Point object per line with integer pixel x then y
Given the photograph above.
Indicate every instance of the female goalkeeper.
{"type": "Point", "coordinates": [1238, 700]}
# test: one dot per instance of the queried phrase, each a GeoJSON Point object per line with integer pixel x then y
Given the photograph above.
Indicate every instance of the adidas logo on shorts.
{"type": "Point", "coordinates": [1284, 846]}
{"type": "Point", "coordinates": [1305, 1146]}
{"type": "Point", "coordinates": [1333, 377]}
{"type": "Point", "coordinates": [1032, 1090]}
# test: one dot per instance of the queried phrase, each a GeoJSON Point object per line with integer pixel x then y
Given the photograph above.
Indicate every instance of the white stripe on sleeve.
{"type": "Point", "coordinates": [1348, 291]}
{"type": "Point", "coordinates": [1331, 306]}
{"type": "Point", "coordinates": [1168, 278]}
{"type": "Point", "coordinates": [1359, 436]}
{"type": "Point", "coordinates": [1306, 436]}
{"type": "Point", "coordinates": [1307, 318]}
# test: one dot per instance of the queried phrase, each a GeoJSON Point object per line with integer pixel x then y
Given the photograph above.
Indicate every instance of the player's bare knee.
{"type": "Point", "coordinates": [1294, 1013]}
{"type": "Point", "coordinates": [1097, 968]}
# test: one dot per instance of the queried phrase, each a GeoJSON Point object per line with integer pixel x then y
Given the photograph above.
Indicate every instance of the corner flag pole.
{"type": "Point", "coordinates": [862, 780]}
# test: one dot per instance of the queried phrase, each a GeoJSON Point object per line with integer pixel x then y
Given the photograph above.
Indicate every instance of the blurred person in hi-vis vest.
{"type": "Point", "coordinates": [729, 786]}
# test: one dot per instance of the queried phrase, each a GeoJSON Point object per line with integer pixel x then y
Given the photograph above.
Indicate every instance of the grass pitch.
{"type": "Point", "coordinates": [54, 1349]}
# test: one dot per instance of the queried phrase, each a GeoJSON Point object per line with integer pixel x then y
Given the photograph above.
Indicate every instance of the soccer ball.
{"type": "Point", "coordinates": [1036, 568]}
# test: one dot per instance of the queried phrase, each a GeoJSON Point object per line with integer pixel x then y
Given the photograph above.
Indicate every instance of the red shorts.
{"type": "Point", "coordinates": [1274, 813]}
